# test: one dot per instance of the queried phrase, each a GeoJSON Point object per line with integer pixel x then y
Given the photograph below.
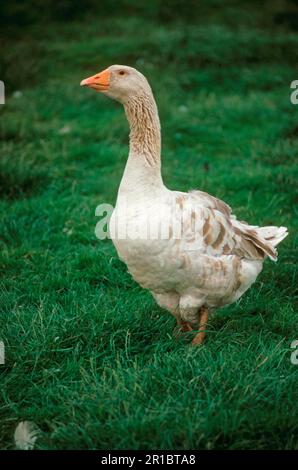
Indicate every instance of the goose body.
{"type": "Point", "coordinates": [188, 249]}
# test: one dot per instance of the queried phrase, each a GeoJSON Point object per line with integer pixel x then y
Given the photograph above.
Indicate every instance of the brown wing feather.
{"type": "Point", "coordinates": [224, 235]}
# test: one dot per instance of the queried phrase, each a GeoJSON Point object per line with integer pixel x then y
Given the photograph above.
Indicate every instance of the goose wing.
{"type": "Point", "coordinates": [211, 228]}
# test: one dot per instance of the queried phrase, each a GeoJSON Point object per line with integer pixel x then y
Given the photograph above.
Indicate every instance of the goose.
{"type": "Point", "coordinates": [187, 249]}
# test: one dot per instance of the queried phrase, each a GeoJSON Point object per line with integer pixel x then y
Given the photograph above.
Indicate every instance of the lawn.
{"type": "Point", "coordinates": [90, 357]}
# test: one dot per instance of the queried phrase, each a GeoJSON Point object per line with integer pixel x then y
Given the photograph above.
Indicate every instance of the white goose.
{"type": "Point", "coordinates": [186, 248]}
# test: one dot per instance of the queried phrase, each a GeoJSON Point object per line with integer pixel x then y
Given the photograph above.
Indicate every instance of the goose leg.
{"type": "Point", "coordinates": [200, 336]}
{"type": "Point", "coordinates": [181, 327]}
{"type": "Point", "coordinates": [184, 326]}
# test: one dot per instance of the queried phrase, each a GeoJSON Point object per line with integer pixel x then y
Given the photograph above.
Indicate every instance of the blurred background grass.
{"type": "Point", "coordinates": [89, 356]}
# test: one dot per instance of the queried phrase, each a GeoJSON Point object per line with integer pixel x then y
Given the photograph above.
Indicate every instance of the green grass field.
{"type": "Point", "coordinates": [90, 357]}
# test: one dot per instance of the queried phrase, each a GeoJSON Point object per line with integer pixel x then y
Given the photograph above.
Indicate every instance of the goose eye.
{"type": "Point", "coordinates": [121, 72]}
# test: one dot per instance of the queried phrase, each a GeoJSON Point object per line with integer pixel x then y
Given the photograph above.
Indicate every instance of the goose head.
{"type": "Point", "coordinates": [119, 82]}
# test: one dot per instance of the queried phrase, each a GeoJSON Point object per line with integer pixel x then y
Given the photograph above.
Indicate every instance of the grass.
{"type": "Point", "coordinates": [90, 357]}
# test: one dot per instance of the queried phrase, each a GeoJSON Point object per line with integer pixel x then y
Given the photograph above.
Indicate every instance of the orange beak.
{"type": "Point", "coordinates": [99, 81]}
